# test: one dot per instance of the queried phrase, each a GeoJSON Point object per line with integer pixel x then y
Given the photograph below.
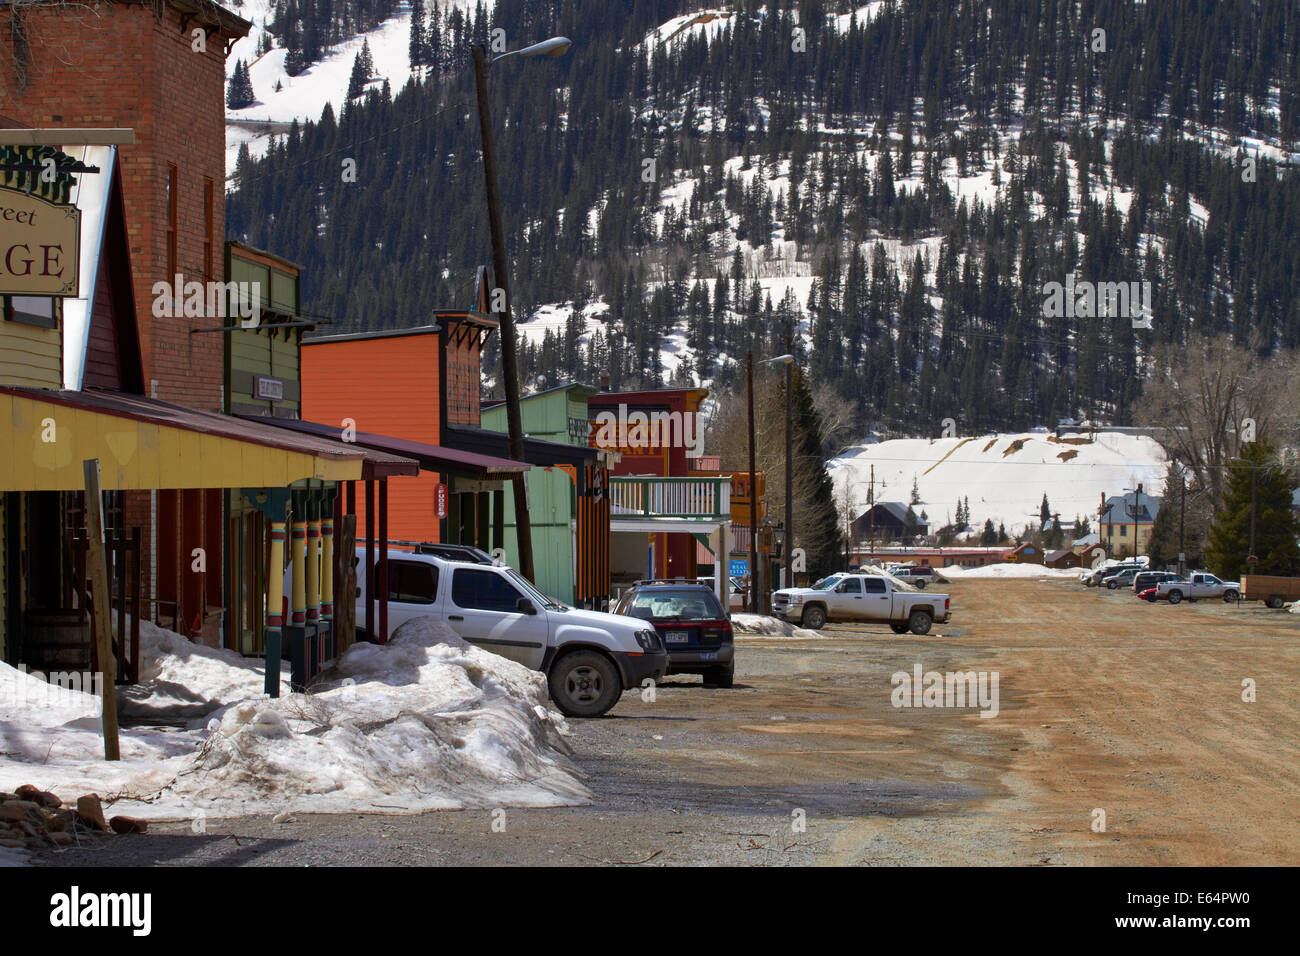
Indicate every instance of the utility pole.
{"type": "Point", "coordinates": [789, 460]}
{"type": "Point", "coordinates": [1250, 548]}
{"type": "Point", "coordinates": [1182, 520]}
{"type": "Point", "coordinates": [1137, 509]}
{"type": "Point", "coordinates": [509, 367]}
{"type": "Point", "coordinates": [871, 513]}
{"type": "Point", "coordinates": [753, 488]}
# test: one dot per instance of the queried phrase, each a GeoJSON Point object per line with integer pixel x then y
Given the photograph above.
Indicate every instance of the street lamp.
{"type": "Point", "coordinates": [787, 360]}
{"type": "Point", "coordinates": [509, 366]}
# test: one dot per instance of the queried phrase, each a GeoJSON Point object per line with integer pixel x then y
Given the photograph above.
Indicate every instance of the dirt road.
{"type": "Point", "coordinates": [1105, 704]}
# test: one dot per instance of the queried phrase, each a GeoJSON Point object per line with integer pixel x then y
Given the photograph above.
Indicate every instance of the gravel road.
{"type": "Point", "coordinates": [1105, 703]}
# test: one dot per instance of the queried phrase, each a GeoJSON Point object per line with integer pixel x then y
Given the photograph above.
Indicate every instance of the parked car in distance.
{"type": "Point", "coordinates": [589, 657]}
{"type": "Point", "coordinates": [1199, 584]}
{"type": "Point", "coordinates": [735, 592]}
{"type": "Point", "coordinates": [1121, 579]}
{"type": "Point", "coordinates": [860, 597]}
{"type": "Point", "coordinates": [1095, 578]}
{"type": "Point", "coordinates": [1148, 595]}
{"type": "Point", "coordinates": [690, 621]}
{"type": "Point", "coordinates": [1145, 580]}
{"type": "Point", "coordinates": [916, 576]}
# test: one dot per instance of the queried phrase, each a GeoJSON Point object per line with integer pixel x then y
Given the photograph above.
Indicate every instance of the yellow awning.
{"type": "Point", "coordinates": [143, 443]}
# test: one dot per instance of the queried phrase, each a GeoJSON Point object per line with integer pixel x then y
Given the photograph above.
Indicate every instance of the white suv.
{"type": "Point", "coordinates": [589, 657]}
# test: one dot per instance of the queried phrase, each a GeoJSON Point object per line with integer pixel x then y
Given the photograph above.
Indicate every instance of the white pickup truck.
{"type": "Point", "coordinates": [1197, 585]}
{"type": "Point", "coordinates": [588, 657]}
{"type": "Point", "coordinates": [860, 597]}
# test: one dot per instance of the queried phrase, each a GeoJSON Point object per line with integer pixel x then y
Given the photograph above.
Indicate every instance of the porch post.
{"type": "Point", "coordinates": [298, 619]}
{"type": "Point", "coordinates": [327, 585]}
{"type": "Point", "coordinates": [274, 604]}
{"type": "Point", "coordinates": [383, 561]}
{"type": "Point", "coordinates": [312, 582]}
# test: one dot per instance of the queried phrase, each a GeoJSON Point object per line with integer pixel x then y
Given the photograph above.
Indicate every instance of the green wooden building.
{"type": "Point", "coordinates": [568, 502]}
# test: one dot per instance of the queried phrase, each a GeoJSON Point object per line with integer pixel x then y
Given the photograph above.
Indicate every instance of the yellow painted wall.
{"type": "Point", "coordinates": [30, 356]}
{"type": "Point", "coordinates": [50, 441]}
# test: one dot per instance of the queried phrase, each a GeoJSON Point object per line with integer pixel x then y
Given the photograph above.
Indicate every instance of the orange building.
{"type": "Point", "coordinates": [386, 383]}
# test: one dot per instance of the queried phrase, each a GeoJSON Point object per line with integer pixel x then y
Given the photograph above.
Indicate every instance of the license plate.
{"type": "Point", "coordinates": [708, 655]}
{"type": "Point", "coordinates": [677, 637]}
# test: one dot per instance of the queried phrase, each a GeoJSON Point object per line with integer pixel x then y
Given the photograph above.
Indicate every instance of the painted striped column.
{"type": "Point", "coordinates": [298, 605]}
{"type": "Point", "coordinates": [274, 605]}
{"type": "Point", "coordinates": [327, 586]}
{"type": "Point", "coordinates": [313, 592]}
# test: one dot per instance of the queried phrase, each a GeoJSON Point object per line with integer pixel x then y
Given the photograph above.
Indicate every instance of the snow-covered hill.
{"type": "Point", "coordinates": [302, 97]}
{"type": "Point", "coordinates": [1005, 475]}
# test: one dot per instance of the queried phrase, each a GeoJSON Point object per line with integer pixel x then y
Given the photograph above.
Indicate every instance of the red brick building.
{"type": "Point", "coordinates": [156, 67]}
{"type": "Point", "coordinates": [159, 69]}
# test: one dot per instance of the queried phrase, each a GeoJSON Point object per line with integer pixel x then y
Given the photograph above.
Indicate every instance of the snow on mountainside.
{"type": "Point", "coordinates": [302, 97]}
{"type": "Point", "coordinates": [1005, 476]}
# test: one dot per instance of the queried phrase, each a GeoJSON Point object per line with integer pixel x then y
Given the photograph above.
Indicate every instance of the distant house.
{"type": "Point", "coordinates": [1079, 545]}
{"type": "Point", "coordinates": [886, 519]}
{"type": "Point", "coordinates": [1026, 554]}
{"type": "Point", "coordinates": [1126, 517]}
{"type": "Point", "coordinates": [1061, 558]}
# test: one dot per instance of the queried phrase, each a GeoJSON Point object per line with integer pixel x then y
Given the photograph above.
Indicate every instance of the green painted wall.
{"type": "Point", "coordinates": [551, 493]}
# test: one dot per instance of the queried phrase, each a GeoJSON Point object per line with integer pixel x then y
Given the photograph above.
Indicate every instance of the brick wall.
{"type": "Point", "coordinates": [120, 64]}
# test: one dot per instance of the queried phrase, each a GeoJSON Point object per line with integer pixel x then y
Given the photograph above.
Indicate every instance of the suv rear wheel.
{"type": "Point", "coordinates": [1175, 597]}
{"type": "Point", "coordinates": [814, 617]}
{"type": "Point", "coordinates": [898, 628]}
{"type": "Point", "coordinates": [584, 684]}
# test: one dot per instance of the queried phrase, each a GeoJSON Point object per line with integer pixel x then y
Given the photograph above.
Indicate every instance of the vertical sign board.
{"type": "Point", "coordinates": [440, 500]}
{"type": "Point", "coordinates": [40, 244]}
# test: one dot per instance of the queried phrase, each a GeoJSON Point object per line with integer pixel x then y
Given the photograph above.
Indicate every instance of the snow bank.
{"type": "Point", "coordinates": [1010, 571]}
{"type": "Point", "coordinates": [182, 679]}
{"type": "Point", "coordinates": [765, 626]}
{"type": "Point", "coordinates": [425, 722]}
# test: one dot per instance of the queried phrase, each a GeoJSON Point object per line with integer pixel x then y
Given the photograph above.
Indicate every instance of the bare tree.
{"type": "Point", "coordinates": [1210, 397]}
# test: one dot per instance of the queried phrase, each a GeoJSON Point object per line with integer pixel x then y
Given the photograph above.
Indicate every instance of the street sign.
{"type": "Point", "coordinates": [440, 499]}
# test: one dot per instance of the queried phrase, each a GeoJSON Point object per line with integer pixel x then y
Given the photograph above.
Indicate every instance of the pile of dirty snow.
{"type": "Point", "coordinates": [181, 679]}
{"type": "Point", "coordinates": [747, 625]}
{"type": "Point", "coordinates": [1010, 571]}
{"type": "Point", "coordinates": [425, 722]}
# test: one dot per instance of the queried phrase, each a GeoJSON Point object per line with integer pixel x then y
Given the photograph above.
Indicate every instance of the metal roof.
{"type": "Point", "coordinates": [430, 457]}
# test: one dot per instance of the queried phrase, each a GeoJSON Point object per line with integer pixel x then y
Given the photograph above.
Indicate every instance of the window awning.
{"type": "Point", "coordinates": [143, 443]}
{"type": "Point", "coordinates": [437, 458]}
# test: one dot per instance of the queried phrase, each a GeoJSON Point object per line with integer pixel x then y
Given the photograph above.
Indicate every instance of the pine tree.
{"type": "Point", "coordinates": [1276, 526]}
{"type": "Point", "coordinates": [990, 535]}
{"type": "Point", "coordinates": [1044, 513]}
{"type": "Point", "coordinates": [418, 45]}
{"type": "Point", "coordinates": [239, 91]}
